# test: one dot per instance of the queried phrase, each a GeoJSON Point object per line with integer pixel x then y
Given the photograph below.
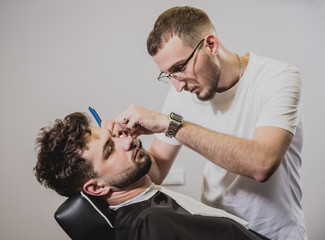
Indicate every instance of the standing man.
{"type": "Point", "coordinates": [242, 113]}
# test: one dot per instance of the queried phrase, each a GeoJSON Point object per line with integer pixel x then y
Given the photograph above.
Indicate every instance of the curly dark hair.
{"type": "Point", "coordinates": [188, 23]}
{"type": "Point", "coordinates": [59, 163]}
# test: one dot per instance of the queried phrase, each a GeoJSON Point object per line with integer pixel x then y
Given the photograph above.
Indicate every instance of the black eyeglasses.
{"type": "Point", "coordinates": [178, 75]}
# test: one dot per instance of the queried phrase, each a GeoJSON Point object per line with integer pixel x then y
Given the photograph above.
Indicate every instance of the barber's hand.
{"type": "Point", "coordinates": [136, 121]}
{"type": "Point", "coordinates": [114, 128]}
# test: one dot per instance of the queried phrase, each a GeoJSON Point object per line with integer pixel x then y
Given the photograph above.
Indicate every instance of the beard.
{"type": "Point", "coordinates": [132, 174]}
{"type": "Point", "coordinates": [213, 75]}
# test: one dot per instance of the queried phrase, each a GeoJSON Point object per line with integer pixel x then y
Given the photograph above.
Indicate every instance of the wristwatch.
{"type": "Point", "coordinates": [176, 121]}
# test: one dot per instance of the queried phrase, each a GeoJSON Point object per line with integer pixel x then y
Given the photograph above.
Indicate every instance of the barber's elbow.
{"type": "Point", "coordinates": [266, 169]}
{"type": "Point", "coordinates": [262, 176]}
{"type": "Point", "coordinates": [157, 181]}
{"type": "Point", "coordinates": [156, 177]}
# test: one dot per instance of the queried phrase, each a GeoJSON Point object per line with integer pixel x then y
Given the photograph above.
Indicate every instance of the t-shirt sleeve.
{"type": "Point", "coordinates": [281, 100]}
{"type": "Point", "coordinates": [169, 106]}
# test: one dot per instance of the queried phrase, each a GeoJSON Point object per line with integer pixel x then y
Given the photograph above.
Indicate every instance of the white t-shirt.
{"type": "Point", "coordinates": [268, 94]}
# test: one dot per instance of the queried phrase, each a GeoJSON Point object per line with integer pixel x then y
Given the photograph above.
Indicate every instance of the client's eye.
{"type": "Point", "coordinates": [109, 151]}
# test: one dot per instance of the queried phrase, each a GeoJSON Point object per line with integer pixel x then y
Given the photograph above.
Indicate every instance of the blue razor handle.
{"type": "Point", "coordinates": [96, 116]}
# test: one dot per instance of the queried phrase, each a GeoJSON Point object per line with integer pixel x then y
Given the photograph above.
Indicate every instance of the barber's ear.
{"type": "Point", "coordinates": [96, 187]}
{"type": "Point", "coordinates": [212, 43]}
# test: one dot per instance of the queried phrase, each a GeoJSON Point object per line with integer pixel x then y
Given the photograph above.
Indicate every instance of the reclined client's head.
{"type": "Point", "coordinates": [74, 156]}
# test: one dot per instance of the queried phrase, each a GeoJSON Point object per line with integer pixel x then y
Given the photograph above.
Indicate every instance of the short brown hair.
{"type": "Point", "coordinates": [188, 23]}
{"type": "Point", "coordinates": [59, 163]}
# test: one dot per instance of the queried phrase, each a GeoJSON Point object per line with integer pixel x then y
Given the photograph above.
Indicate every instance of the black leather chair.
{"type": "Point", "coordinates": [85, 217]}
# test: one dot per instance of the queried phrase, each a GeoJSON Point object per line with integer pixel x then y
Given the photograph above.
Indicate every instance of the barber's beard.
{"type": "Point", "coordinates": [213, 74]}
{"type": "Point", "coordinates": [132, 174]}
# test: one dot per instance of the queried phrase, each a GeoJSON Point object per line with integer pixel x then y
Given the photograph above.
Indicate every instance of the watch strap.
{"type": "Point", "coordinates": [176, 121]}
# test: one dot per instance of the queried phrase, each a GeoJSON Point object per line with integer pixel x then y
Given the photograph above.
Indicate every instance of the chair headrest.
{"type": "Point", "coordinates": [85, 217]}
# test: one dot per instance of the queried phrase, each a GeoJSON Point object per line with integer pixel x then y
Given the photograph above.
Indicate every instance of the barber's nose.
{"type": "Point", "coordinates": [179, 85]}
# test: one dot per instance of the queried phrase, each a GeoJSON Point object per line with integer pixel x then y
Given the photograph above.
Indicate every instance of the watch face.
{"type": "Point", "coordinates": [175, 121]}
{"type": "Point", "coordinates": [176, 117]}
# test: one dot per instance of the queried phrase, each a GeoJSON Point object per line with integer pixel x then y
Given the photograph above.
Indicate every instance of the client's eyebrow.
{"type": "Point", "coordinates": [113, 135]}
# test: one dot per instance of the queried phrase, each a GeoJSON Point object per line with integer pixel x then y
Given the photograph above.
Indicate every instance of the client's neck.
{"type": "Point", "coordinates": [119, 196]}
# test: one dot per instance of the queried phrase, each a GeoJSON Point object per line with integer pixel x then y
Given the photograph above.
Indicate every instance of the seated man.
{"type": "Point", "coordinates": [74, 156]}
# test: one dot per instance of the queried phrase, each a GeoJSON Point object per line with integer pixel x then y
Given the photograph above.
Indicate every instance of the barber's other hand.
{"type": "Point", "coordinates": [137, 120]}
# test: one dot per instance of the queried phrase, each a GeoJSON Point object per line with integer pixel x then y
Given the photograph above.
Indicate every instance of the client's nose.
{"type": "Point", "coordinates": [127, 142]}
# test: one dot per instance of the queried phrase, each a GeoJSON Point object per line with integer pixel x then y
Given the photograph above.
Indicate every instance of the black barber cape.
{"type": "Point", "coordinates": [161, 218]}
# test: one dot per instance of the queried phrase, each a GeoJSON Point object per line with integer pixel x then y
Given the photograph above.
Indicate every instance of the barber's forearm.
{"type": "Point", "coordinates": [155, 173]}
{"type": "Point", "coordinates": [163, 156]}
{"type": "Point", "coordinates": [257, 158]}
{"type": "Point", "coordinates": [158, 170]}
{"type": "Point", "coordinates": [241, 156]}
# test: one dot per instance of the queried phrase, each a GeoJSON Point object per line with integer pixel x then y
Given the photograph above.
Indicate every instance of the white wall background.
{"type": "Point", "coordinates": [61, 56]}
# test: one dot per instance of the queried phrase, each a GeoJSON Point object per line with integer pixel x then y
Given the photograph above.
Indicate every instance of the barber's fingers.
{"type": "Point", "coordinates": [121, 119]}
{"type": "Point", "coordinates": [138, 120]}
{"type": "Point", "coordinates": [132, 113]}
{"type": "Point", "coordinates": [132, 123]}
{"type": "Point", "coordinates": [113, 127]}
{"type": "Point", "coordinates": [124, 119]}
{"type": "Point", "coordinates": [129, 128]}
{"type": "Point", "coordinates": [108, 124]}
{"type": "Point", "coordinates": [136, 132]}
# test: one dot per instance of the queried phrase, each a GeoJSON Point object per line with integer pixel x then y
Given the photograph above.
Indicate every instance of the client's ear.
{"type": "Point", "coordinates": [96, 187]}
